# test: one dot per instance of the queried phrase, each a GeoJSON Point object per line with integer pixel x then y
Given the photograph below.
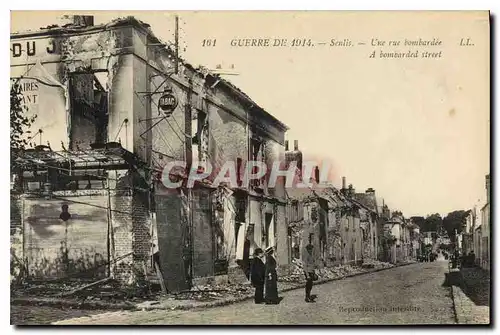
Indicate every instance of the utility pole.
{"type": "Point", "coordinates": [176, 44]}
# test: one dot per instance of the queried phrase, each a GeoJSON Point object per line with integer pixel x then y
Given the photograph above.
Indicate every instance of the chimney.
{"type": "Point", "coordinates": [286, 145]}
{"type": "Point", "coordinates": [343, 183]}
{"type": "Point", "coordinates": [316, 174]}
{"type": "Point", "coordinates": [296, 145]}
{"type": "Point", "coordinates": [83, 20]}
{"type": "Point", "coordinates": [370, 191]}
{"type": "Point", "coordinates": [351, 190]}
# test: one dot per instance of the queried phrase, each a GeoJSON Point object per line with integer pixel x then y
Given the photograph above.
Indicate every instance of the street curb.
{"type": "Point", "coordinates": [453, 299]}
{"type": "Point", "coordinates": [67, 303]}
{"type": "Point", "coordinates": [54, 302]}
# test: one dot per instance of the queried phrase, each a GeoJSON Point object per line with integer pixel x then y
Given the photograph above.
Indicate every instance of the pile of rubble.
{"type": "Point", "coordinates": [376, 264]}
{"type": "Point", "coordinates": [212, 292]}
{"type": "Point", "coordinates": [296, 273]}
{"type": "Point", "coordinates": [110, 291]}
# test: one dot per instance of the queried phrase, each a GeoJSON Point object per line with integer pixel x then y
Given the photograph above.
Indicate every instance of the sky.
{"type": "Point", "coordinates": [415, 130]}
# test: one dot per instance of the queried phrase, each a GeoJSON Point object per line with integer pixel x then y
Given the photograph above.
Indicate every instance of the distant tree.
{"type": "Point", "coordinates": [455, 222]}
{"type": "Point", "coordinates": [433, 222]}
{"type": "Point", "coordinates": [419, 221]}
{"type": "Point", "coordinates": [20, 122]}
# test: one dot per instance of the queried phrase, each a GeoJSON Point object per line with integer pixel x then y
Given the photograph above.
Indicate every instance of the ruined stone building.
{"type": "Point", "coordinates": [342, 229]}
{"type": "Point", "coordinates": [114, 106]}
{"type": "Point", "coordinates": [398, 227]}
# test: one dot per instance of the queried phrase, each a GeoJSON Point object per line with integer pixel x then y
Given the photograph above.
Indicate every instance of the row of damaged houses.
{"type": "Point", "coordinates": [475, 235]}
{"type": "Point", "coordinates": [346, 227]}
{"type": "Point", "coordinates": [115, 105]}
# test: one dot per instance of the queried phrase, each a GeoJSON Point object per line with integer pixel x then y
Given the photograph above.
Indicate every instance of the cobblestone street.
{"type": "Point", "coordinates": [414, 294]}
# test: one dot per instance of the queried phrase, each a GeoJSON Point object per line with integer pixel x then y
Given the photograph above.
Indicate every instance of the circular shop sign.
{"type": "Point", "coordinates": [168, 102]}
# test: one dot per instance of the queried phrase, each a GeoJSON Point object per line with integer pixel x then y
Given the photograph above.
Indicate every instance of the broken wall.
{"type": "Point", "coordinates": [55, 248]}
{"type": "Point", "coordinates": [203, 234]}
{"type": "Point", "coordinates": [46, 68]}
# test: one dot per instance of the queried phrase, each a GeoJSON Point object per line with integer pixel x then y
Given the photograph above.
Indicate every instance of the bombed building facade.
{"type": "Point", "coordinates": [114, 106]}
{"type": "Point", "coordinates": [341, 227]}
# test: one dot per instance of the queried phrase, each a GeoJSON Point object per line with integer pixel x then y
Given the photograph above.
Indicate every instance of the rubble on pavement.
{"type": "Point", "coordinates": [296, 274]}
{"type": "Point", "coordinates": [212, 292]}
{"type": "Point", "coordinates": [147, 297]}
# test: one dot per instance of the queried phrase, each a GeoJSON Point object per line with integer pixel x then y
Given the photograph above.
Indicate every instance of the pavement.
{"type": "Point", "coordinates": [471, 295]}
{"type": "Point", "coordinates": [412, 294]}
{"type": "Point", "coordinates": [217, 295]}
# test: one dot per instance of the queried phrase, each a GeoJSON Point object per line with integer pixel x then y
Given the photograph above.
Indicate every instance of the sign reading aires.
{"type": "Point", "coordinates": [168, 102]}
{"type": "Point", "coordinates": [28, 90]}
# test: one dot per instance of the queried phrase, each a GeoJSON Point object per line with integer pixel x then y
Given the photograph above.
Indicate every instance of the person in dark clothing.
{"type": "Point", "coordinates": [472, 259]}
{"type": "Point", "coordinates": [271, 280]}
{"type": "Point", "coordinates": [257, 275]}
{"type": "Point", "coordinates": [456, 259]}
{"type": "Point", "coordinates": [309, 267]}
{"type": "Point", "coordinates": [246, 257]}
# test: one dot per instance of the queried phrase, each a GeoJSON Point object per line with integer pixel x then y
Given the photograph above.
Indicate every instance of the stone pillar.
{"type": "Point", "coordinates": [121, 239]}
{"type": "Point", "coordinates": [282, 247]}
{"type": "Point", "coordinates": [131, 235]}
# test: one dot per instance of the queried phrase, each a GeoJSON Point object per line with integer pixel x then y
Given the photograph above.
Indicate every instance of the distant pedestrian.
{"type": "Point", "coordinates": [309, 272]}
{"type": "Point", "coordinates": [271, 280]}
{"type": "Point", "coordinates": [257, 275]}
{"type": "Point", "coordinates": [455, 259]}
{"type": "Point", "coordinates": [472, 259]}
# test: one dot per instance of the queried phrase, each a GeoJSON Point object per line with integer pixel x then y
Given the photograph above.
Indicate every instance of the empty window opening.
{"type": "Point", "coordinates": [88, 109]}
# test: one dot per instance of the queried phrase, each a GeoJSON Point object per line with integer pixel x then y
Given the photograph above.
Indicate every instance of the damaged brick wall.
{"type": "Point", "coordinates": [141, 228]}
{"type": "Point", "coordinates": [131, 227]}
{"type": "Point", "coordinates": [121, 206]}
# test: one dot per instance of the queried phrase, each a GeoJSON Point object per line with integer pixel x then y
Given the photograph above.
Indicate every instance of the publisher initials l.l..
{"type": "Point", "coordinates": [466, 42]}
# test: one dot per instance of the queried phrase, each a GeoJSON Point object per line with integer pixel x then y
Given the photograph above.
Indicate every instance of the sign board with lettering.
{"type": "Point", "coordinates": [48, 102]}
{"type": "Point", "coordinates": [29, 90]}
{"type": "Point", "coordinates": [167, 103]}
{"type": "Point", "coordinates": [29, 50]}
